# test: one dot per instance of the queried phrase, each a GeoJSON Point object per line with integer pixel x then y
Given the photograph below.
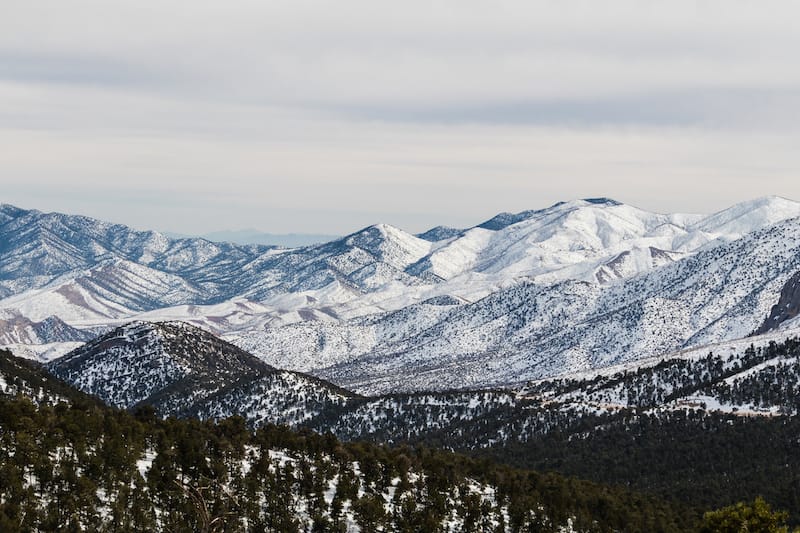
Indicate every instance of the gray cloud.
{"type": "Point", "coordinates": [89, 70]}
{"type": "Point", "coordinates": [768, 108]}
{"type": "Point", "coordinates": [348, 113]}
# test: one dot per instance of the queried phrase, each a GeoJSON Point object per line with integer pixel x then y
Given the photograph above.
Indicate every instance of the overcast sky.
{"type": "Point", "coordinates": [323, 117]}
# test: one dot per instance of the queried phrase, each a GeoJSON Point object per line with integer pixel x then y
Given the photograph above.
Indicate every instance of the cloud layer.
{"type": "Point", "coordinates": [322, 117]}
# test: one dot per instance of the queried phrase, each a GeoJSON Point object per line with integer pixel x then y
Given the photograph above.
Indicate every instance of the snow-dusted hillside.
{"type": "Point", "coordinates": [182, 370]}
{"type": "Point", "coordinates": [26, 378]}
{"type": "Point", "coordinates": [91, 272]}
{"type": "Point", "coordinates": [759, 376]}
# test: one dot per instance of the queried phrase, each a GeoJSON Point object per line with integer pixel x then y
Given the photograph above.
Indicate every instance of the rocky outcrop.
{"type": "Point", "coordinates": [788, 306]}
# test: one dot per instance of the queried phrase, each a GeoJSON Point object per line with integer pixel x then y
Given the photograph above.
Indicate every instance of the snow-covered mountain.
{"type": "Point", "coordinates": [182, 370]}
{"type": "Point", "coordinates": [530, 330]}
{"type": "Point", "coordinates": [91, 272]}
{"type": "Point", "coordinates": [577, 285]}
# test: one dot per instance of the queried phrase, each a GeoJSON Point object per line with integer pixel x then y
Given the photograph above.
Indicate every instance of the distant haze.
{"type": "Point", "coordinates": [321, 118]}
{"type": "Point", "coordinates": [252, 236]}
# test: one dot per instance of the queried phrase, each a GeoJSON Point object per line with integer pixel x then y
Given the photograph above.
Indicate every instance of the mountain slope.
{"type": "Point", "coordinates": [17, 329]}
{"type": "Point", "coordinates": [24, 378]}
{"type": "Point", "coordinates": [95, 273]}
{"type": "Point", "coordinates": [758, 376]}
{"type": "Point", "coordinates": [362, 262]}
{"type": "Point", "coordinates": [567, 240]}
{"type": "Point", "coordinates": [787, 307]}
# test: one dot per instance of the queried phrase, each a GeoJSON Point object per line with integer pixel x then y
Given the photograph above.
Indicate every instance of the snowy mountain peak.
{"type": "Point", "coordinates": [376, 234]}
{"type": "Point", "coordinates": [505, 219]}
{"type": "Point", "coordinates": [390, 244]}
{"type": "Point", "coordinates": [440, 233]}
{"type": "Point", "coordinates": [138, 360]}
{"type": "Point", "coordinates": [569, 240]}
{"type": "Point", "coordinates": [9, 212]}
{"type": "Point", "coordinates": [580, 203]}
{"type": "Point", "coordinates": [744, 217]}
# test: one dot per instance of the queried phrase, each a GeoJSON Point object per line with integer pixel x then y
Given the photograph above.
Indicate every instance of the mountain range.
{"type": "Point", "coordinates": [575, 286]}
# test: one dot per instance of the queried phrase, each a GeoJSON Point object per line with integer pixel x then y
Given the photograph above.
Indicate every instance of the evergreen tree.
{"type": "Point", "coordinates": [756, 517]}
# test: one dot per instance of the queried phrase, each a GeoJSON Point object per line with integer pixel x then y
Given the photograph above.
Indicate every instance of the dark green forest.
{"type": "Point", "coordinates": [78, 467]}
{"type": "Point", "coordinates": [699, 459]}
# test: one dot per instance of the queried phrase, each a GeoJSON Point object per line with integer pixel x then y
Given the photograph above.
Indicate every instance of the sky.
{"type": "Point", "coordinates": [324, 117]}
